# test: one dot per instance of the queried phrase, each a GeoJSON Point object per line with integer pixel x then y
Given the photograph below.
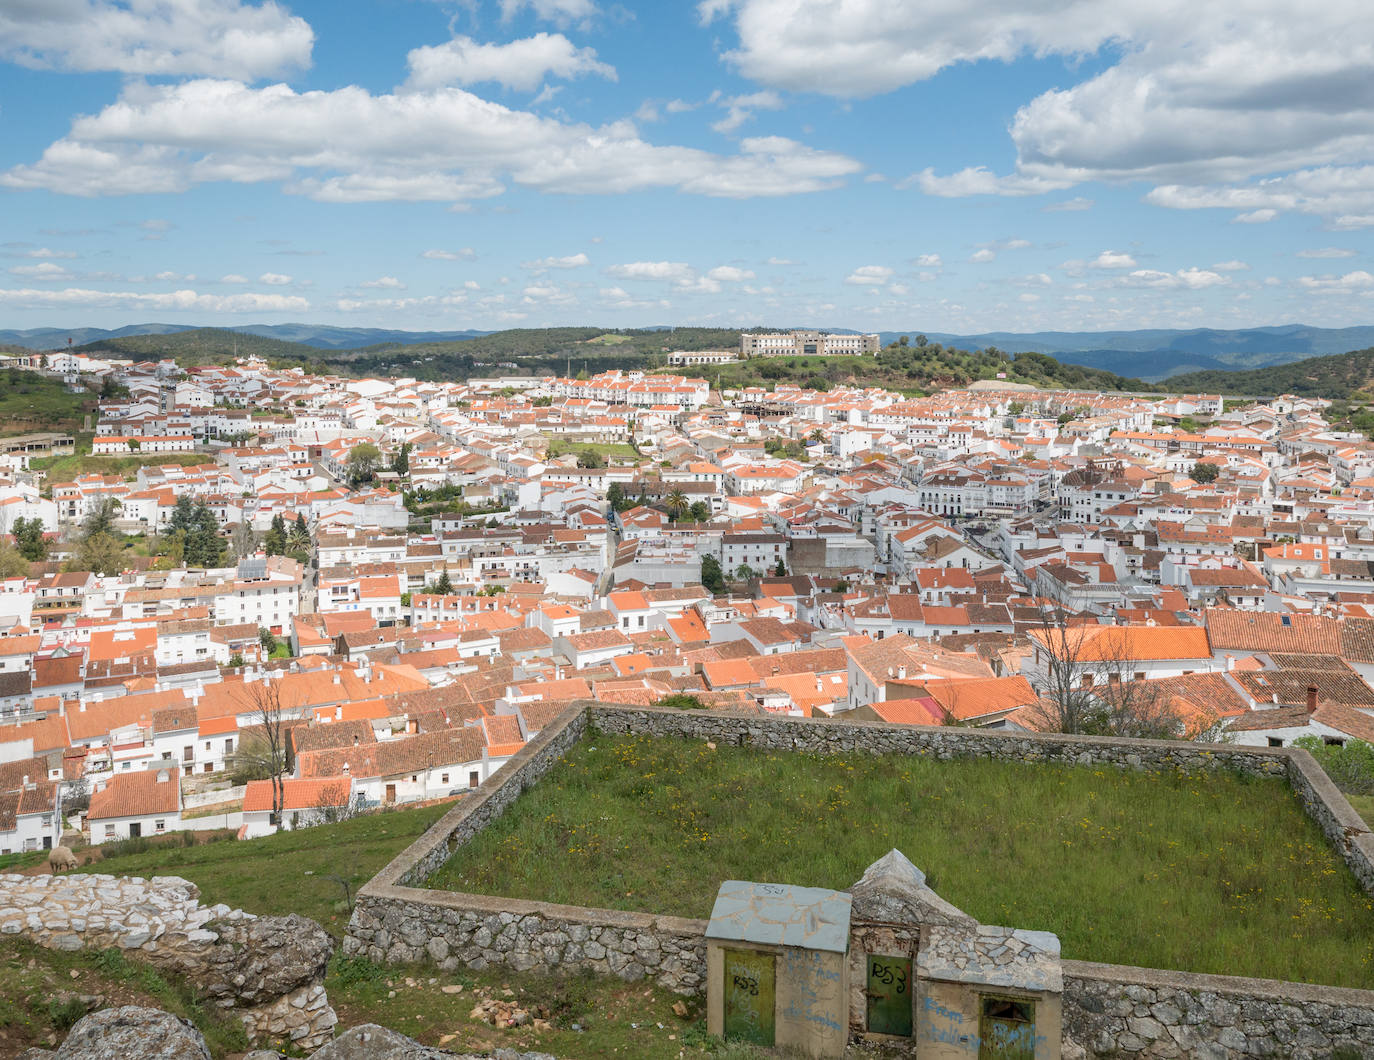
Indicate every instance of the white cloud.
{"type": "Point", "coordinates": [982, 257]}
{"type": "Point", "coordinates": [672, 271]}
{"type": "Point", "coordinates": [1327, 252]}
{"type": "Point", "coordinates": [929, 261]}
{"type": "Point", "coordinates": [449, 255]}
{"type": "Point", "coordinates": [80, 298]}
{"type": "Point", "coordinates": [1255, 217]}
{"type": "Point", "coordinates": [233, 277]}
{"type": "Point", "coordinates": [1073, 205]}
{"type": "Point", "coordinates": [740, 109]}
{"type": "Point", "coordinates": [1193, 279]}
{"type": "Point", "coordinates": [978, 180]}
{"type": "Point", "coordinates": [1351, 281]}
{"type": "Point", "coordinates": [1112, 259]}
{"type": "Point", "coordinates": [274, 279]}
{"type": "Point", "coordinates": [782, 261]}
{"type": "Point", "coordinates": [559, 11]}
{"type": "Point", "coordinates": [869, 276]}
{"type": "Point", "coordinates": [389, 283]}
{"type": "Point", "coordinates": [571, 261]}
{"type": "Point", "coordinates": [45, 252]}
{"type": "Point", "coordinates": [160, 38]}
{"type": "Point", "coordinates": [1231, 266]}
{"type": "Point", "coordinates": [729, 274]}
{"type": "Point", "coordinates": [43, 271]}
{"type": "Point", "coordinates": [1193, 95]}
{"type": "Point", "coordinates": [348, 145]}
{"type": "Point", "coordinates": [681, 275]}
{"type": "Point", "coordinates": [520, 64]}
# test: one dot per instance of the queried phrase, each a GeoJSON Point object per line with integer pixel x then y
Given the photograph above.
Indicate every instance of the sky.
{"type": "Point", "coordinates": [929, 165]}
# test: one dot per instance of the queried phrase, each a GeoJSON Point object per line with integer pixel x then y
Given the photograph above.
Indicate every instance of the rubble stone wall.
{"type": "Point", "coordinates": [1109, 1010]}
{"type": "Point", "coordinates": [1141, 1012]}
{"type": "Point", "coordinates": [269, 969]}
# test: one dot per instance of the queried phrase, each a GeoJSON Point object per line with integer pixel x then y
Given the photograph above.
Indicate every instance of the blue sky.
{"type": "Point", "coordinates": [873, 164]}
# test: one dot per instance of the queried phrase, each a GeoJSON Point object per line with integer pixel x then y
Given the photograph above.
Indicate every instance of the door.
{"type": "Point", "coordinates": [135, 829]}
{"type": "Point", "coordinates": [749, 993]}
{"type": "Point", "coordinates": [391, 793]}
{"type": "Point", "coordinates": [1006, 1029]}
{"type": "Point", "coordinates": [889, 995]}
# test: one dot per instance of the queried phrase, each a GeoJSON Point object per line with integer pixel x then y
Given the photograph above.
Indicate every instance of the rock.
{"type": "Point", "coordinates": [120, 1033]}
{"type": "Point", "coordinates": [35, 1053]}
{"type": "Point", "coordinates": [264, 1054]}
{"type": "Point", "coordinates": [893, 890]}
{"type": "Point", "coordinates": [680, 1009]}
{"type": "Point", "coordinates": [371, 1042]}
{"type": "Point", "coordinates": [275, 955]}
{"type": "Point", "coordinates": [452, 988]}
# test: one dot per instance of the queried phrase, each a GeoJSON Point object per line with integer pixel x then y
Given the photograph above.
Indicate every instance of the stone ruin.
{"type": "Point", "coordinates": [890, 964]}
{"type": "Point", "coordinates": [269, 970]}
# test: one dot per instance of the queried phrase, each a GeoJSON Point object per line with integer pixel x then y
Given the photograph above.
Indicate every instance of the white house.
{"type": "Point", "coordinates": [141, 803]}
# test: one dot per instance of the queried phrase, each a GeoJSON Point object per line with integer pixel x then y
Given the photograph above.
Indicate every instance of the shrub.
{"type": "Point", "coordinates": [1350, 767]}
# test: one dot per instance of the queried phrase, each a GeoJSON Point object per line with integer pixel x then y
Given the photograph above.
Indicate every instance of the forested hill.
{"type": "Point", "coordinates": [1337, 377]}
{"type": "Point", "coordinates": [206, 346]}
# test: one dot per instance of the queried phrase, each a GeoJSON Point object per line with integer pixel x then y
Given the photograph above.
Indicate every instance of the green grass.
{"type": "Point", "coordinates": [1221, 874]}
{"type": "Point", "coordinates": [1364, 806]}
{"type": "Point", "coordinates": [38, 989]}
{"type": "Point", "coordinates": [609, 450]}
{"type": "Point", "coordinates": [65, 468]}
{"type": "Point", "coordinates": [30, 402]}
{"type": "Point", "coordinates": [286, 872]}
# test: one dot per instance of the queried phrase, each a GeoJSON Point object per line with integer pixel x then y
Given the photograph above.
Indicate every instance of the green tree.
{"type": "Point", "coordinates": [275, 541]}
{"type": "Point", "coordinates": [298, 538]}
{"type": "Point", "coordinates": [676, 504]}
{"type": "Point", "coordinates": [712, 578]}
{"type": "Point", "coordinates": [780, 571]}
{"type": "Point", "coordinates": [267, 639]}
{"type": "Point", "coordinates": [401, 462]}
{"type": "Point", "coordinates": [1204, 472]}
{"type": "Point", "coordinates": [590, 458]}
{"type": "Point", "coordinates": [744, 572]}
{"type": "Point", "coordinates": [444, 586]}
{"type": "Point", "coordinates": [1350, 767]}
{"type": "Point", "coordinates": [615, 496]}
{"type": "Point", "coordinates": [681, 701]}
{"type": "Point", "coordinates": [13, 564]}
{"type": "Point", "coordinates": [101, 517]}
{"type": "Point", "coordinates": [100, 553]}
{"type": "Point", "coordinates": [29, 539]}
{"type": "Point", "coordinates": [362, 463]}
{"type": "Point", "coordinates": [195, 525]}
{"type": "Point", "coordinates": [700, 511]}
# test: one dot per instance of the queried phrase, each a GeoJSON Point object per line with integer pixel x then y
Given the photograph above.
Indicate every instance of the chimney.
{"type": "Point", "coordinates": [901, 673]}
{"type": "Point", "coordinates": [162, 777]}
{"type": "Point", "coordinates": [1230, 662]}
{"type": "Point", "coordinates": [1311, 699]}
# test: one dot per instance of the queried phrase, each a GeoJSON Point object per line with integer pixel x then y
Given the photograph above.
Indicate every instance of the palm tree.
{"type": "Point", "coordinates": [676, 504]}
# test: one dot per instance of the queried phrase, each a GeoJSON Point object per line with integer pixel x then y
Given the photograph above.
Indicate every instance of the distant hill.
{"type": "Point", "coordinates": [322, 336]}
{"type": "Point", "coordinates": [1155, 354]}
{"type": "Point", "coordinates": [1336, 377]}
{"type": "Point", "coordinates": [203, 346]}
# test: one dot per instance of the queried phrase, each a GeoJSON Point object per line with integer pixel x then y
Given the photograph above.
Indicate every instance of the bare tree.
{"type": "Point", "coordinates": [243, 540]}
{"type": "Point", "coordinates": [1088, 682]}
{"type": "Point", "coordinates": [335, 803]}
{"type": "Point", "coordinates": [263, 749]}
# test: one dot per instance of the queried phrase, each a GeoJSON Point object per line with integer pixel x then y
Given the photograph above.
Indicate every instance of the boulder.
{"type": "Point", "coordinates": [371, 1042]}
{"type": "Point", "coordinates": [258, 960]}
{"type": "Point", "coordinates": [131, 1031]}
{"type": "Point", "coordinates": [893, 891]}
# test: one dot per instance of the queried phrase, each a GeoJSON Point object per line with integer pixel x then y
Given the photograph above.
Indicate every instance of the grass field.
{"type": "Point", "coordinates": [1364, 806]}
{"type": "Point", "coordinates": [31, 402]}
{"type": "Point", "coordinates": [287, 872]}
{"type": "Point", "coordinates": [609, 450]}
{"type": "Point", "coordinates": [1222, 874]}
{"type": "Point", "coordinates": [65, 468]}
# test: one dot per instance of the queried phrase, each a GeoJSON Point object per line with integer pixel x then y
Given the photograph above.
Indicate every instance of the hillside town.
{"type": "Point", "coordinates": [297, 597]}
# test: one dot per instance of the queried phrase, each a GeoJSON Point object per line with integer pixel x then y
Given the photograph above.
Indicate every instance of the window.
{"type": "Point", "coordinates": [159, 826]}
{"type": "Point", "coordinates": [1274, 741]}
{"type": "Point", "coordinates": [109, 831]}
{"type": "Point", "coordinates": [472, 779]}
{"type": "Point", "coordinates": [1333, 741]}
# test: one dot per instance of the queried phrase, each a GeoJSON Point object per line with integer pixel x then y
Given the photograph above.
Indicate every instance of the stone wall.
{"type": "Point", "coordinates": [1141, 1012]}
{"type": "Point", "coordinates": [1110, 1011]}
{"type": "Point", "coordinates": [270, 969]}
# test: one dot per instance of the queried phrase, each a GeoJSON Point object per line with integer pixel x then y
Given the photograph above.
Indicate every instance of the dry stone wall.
{"type": "Point", "coordinates": [270, 969]}
{"type": "Point", "coordinates": [1109, 1011]}
{"type": "Point", "coordinates": [1136, 1012]}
